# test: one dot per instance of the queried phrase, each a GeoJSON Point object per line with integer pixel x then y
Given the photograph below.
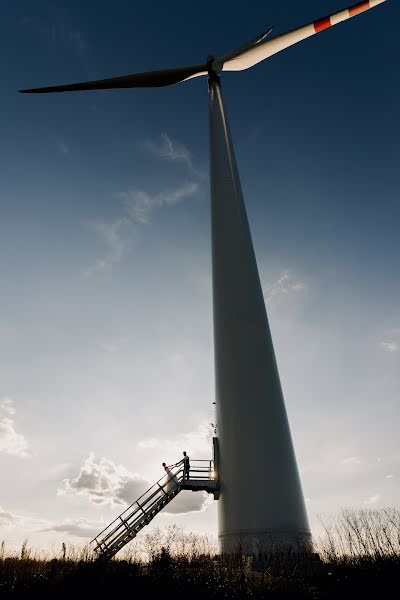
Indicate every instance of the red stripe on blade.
{"type": "Point", "coordinates": [322, 24]}
{"type": "Point", "coordinates": [358, 8]}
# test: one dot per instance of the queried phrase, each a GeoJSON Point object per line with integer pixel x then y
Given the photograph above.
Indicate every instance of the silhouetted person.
{"type": "Point", "coordinates": [186, 466]}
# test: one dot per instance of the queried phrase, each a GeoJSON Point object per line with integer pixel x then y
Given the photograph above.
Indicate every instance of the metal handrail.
{"type": "Point", "coordinates": [136, 506]}
{"type": "Point", "coordinates": [146, 503]}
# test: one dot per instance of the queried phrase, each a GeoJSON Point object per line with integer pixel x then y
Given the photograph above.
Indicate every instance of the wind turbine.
{"type": "Point", "coordinates": [261, 501]}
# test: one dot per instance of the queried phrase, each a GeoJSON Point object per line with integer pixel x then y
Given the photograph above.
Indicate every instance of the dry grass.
{"type": "Point", "coordinates": [361, 536]}
{"type": "Point", "coordinates": [359, 551]}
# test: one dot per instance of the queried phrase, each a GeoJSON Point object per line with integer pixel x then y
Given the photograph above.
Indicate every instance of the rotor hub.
{"type": "Point", "coordinates": [212, 69]}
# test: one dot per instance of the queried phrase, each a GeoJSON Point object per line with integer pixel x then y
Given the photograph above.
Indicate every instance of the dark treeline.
{"type": "Point", "coordinates": [358, 557]}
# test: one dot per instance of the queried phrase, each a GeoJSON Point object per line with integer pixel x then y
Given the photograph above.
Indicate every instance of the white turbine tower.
{"type": "Point", "coordinates": [261, 500]}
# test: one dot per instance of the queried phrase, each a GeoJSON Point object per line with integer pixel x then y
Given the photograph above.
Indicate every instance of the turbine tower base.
{"type": "Point", "coordinates": [259, 542]}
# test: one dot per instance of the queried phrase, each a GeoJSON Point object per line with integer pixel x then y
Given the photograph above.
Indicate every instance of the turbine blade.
{"type": "Point", "coordinates": [148, 79]}
{"type": "Point", "coordinates": [269, 47]}
{"type": "Point", "coordinates": [241, 49]}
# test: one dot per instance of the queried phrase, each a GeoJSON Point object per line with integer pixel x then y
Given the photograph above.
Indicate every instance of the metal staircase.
{"type": "Point", "coordinates": [139, 514]}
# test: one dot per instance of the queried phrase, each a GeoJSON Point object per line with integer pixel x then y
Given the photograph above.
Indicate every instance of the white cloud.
{"type": "Point", "coordinates": [372, 499]}
{"type": "Point", "coordinates": [7, 404]}
{"type": "Point", "coordinates": [139, 203]}
{"type": "Point", "coordinates": [115, 242]}
{"type": "Point", "coordinates": [390, 341]}
{"type": "Point", "coordinates": [389, 346]}
{"type": "Point", "coordinates": [11, 442]}
{"type": "Point", "coordinates": [390, 476]}
{"type": "Point", "coordinates": [104, 482]}
{"type": "Point", "coordinates": [285, 285]}
{"type": "Point", "coordinates": [171, 150]}
{"type": "Point", "coordinates": [351, 460]}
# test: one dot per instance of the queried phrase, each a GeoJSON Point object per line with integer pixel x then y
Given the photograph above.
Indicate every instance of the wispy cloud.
{"type": "Point", "coordinates": [172, 150]}
{"type": "Point", "coordinates": [62, 146]}
{"type": "Point", "coordinates": [11, 442]}
{"type": "Point", "coordinates": [115, 241]}
{"type": "Point", "coordinates": [351, 460]}
{"type": "Point", "coordinates": [39, 27]}
{"type": "Point", "coordinates": [109, 347]}
{"type": "Point", "coordinates": [372, 499]}
{"type": "Point", "coordinates": [56, 33]}
{"type": "Point", "coordinates": [113, 346]}
{"type": "Point", "coordinates": [76, 527]}
{"type": "Point", "coordinates": [197, 441]}
{"type": "Point", "coordinates": [7, 405]}
{"type": "Point", "coordinates": [10, 520]}
{"type": "Point", "coordinates": [78, 41]}
{"type": "Point", "coordinates": [390, 341]}
{"type": "Point", "coordinates": [389, 346]}
{"type": "Point", "coordinates": [7, 518]}
{"type": "Point", "coordinates": [284, 286]}
{"type": "Point", "coordinates": [139, 204]}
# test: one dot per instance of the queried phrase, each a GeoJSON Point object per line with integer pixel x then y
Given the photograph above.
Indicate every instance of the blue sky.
{"type": "Point", "coordinates": [106, 356]}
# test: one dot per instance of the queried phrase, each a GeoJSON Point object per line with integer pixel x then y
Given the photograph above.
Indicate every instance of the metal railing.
{"type": "Point", "coordinates": [128, 524]}
{"type": "Point", "coordinates": [201, 470]}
